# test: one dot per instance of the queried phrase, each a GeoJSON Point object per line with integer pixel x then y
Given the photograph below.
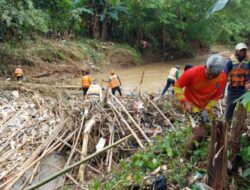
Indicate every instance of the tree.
{"type": "Point", "coordinates": [19, 18]}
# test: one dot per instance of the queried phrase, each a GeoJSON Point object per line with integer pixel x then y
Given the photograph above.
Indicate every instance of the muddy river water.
{"type": "Point", "coordinates": [155, 74]}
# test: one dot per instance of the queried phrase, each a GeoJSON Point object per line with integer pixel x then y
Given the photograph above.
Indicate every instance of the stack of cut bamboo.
{"type": "Point", "coordinates": [33, 126]}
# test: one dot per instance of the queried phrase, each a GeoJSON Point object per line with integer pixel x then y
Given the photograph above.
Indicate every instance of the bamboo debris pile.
{"type": "Point", "coordinates": [33, 127]}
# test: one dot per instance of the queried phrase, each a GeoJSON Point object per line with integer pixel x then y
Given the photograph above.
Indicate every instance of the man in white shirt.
{"type": "Point", "coordinates": [172, 77]}
{"type": "Point", "coordinates": [94, 92]}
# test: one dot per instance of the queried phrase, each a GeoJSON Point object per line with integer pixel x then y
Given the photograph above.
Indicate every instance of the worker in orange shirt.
{"type": "Point", "coordinates": [19, 73]}
{"type": "Point", "coordinates": [198, 90]}
{"type": "Point", "coordinates": [86, 82]}
{"type": "Point", "coordinates": [114, 83]}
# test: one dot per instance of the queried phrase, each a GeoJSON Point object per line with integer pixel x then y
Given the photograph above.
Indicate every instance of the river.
{"type": "Point", "coordinates": [155, 74]}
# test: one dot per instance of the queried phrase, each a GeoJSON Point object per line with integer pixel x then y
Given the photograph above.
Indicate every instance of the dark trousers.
{"type": "Point", "coordinates": [232, 95]}
{"type": "Point", "coordinates": [85, 90]}
{"type": "Point", "coordinates": [19, 78]}
{"type": "Point", "coordinates": [116, 89]}
{"type": "Point", "coordinates": [168, 84]}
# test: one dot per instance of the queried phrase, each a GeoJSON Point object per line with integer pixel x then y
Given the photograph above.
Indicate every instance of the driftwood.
{"type": "Point", "coordinates": [127, 125]}
{"type": "Point", "coordinates": [41, 75]}
{"type": "Point", "coordinates": [84, 152]}
{"type": "Point", "coordinates": [131, 118]}
{"type": "Point", "coordinates": [76, 164]}
{"type": "Point", "coordinates": [168, 121]}
{"type": "Point", "coordinates": [62, 129]}
{"type": "Point", "coordinates": [140, 85]}
{"type": "Point", "coordinates": [31, 161]}
{"type": "Point", "coordinates": [111, 150]}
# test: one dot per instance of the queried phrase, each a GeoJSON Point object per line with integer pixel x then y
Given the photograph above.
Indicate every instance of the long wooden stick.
{"type": "Point", "coordinates": [68, 145]}
{"type": "Point", "coordinates": [111, 152]}
{"type": "Point", "coordinates": [69, 176]}
{"type": "Point", "coordinates": [84, 152]}
{"type": "Point", "coordinates": [57, 174]}
{"type": "Point", "coordinates": [168, 121]}
{"type": "Point", "coordinates": [128, 126]}
{"type": "Point", "coordinates": [131, 118]}
{"type": "Point", "coordinates": [76, 142]}
{"type": "Point", "coordinates": [142, 77]}
{"type": "Point", "coordinates": [32, 160]}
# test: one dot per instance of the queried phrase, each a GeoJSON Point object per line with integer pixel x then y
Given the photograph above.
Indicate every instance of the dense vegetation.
{"type": "Point", "coordinates": [172, 25]}
{"type": "Point", "coordinates": [139, 172]}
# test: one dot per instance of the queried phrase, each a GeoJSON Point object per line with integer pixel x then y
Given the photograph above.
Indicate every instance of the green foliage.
{"type": "Point", "coordinates": [167, 150]}
{"type": "Point", "coordinates": [246, 154]}
{"type": "Point", "coordinates": [245, 100]}
{"type": "Point", "coordinates": [20, 18]}
{"type": "Point", "coordinates": [176, 27]}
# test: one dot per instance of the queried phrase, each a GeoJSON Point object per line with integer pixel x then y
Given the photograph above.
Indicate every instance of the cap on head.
{"type": "Point", "coordinates": [215, 64]}
{"type": "Point", "coordinates": [188, 66]}
{"type": "Point", "coordinates": [177, 67]}
{"type": "Point", "coordinates": [240, 46]}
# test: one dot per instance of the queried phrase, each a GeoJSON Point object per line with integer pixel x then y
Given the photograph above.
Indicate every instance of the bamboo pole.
{"type": "Point", "coordinates": [111, 152]}
{"type": "Point", "coordinates": [69, 176]}
{"type": "Point", "coordinates": [74, 147]}
{"type": "Point", "coordinates": [142, 77]}
{"type": "Point", "coordinates": [84, 152]}
{"type": "Point", "coordinates": [57, 174]}
{"type": "Point", "coordinates": [128, 126]}
{"type": "Point", "coordinates": [131, 118]}
{"type": "Point", "coordinates": [34, 157]}
{"type": "Point", "coordinates": [68, 145]}
{"type": "Point", "coordinates": [168, 121]}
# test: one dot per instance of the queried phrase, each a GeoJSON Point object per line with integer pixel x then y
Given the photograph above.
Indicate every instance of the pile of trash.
{"type": "Point", "coordinates": [34, 126]}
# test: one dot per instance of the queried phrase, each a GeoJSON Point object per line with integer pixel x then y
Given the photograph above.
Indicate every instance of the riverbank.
{"type": "Point", "coordinates": [61, 63]}
{"type": "Point", "coordinates": [55, 58]}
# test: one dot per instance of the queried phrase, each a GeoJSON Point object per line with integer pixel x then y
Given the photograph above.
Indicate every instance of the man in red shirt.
{"type": "Point", "coordinates": [198, 90]}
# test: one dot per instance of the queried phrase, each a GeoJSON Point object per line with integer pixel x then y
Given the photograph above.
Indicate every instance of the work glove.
{"type": "Point", "coordinates": [204, 117]}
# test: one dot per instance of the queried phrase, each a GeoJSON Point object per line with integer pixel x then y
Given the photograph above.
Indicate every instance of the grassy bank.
{"type": "Point", "coordinates": [54, 56]}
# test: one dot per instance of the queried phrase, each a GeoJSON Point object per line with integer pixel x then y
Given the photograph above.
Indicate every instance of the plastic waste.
{"type": "Point", "coordinates": [15, 94]}
{"type": "Point", "coordinates": [137, 107]}
{"type": "Point", "coordinates": [195, 177]}
{"type": "Point", "coordinates": [160, 183]}
{"type": "Point", "coordinates": [202, 186]}
{"type": "Point", "coordinates": [100, 145]}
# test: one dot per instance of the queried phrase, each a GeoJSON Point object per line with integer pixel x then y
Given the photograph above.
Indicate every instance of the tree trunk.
{"type": "Point", "coordinates": [104, 29]}
{"type": "Point", "coordinates": [163, 36]}
{"type": "Point", "coordinates": [96, 27]}
{"type": "Point", "coordinates": [217, 167]}
{"type": "Point", "coordinates": [240, 115]}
